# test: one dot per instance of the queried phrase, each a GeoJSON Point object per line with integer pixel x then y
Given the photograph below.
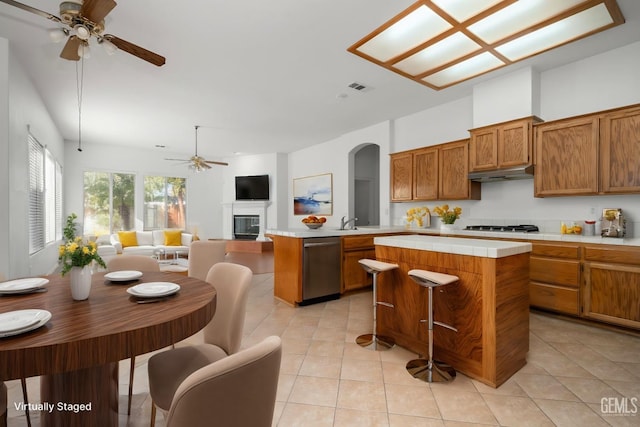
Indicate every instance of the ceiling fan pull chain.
{"type": "Point", "coordinates": [79, 87]}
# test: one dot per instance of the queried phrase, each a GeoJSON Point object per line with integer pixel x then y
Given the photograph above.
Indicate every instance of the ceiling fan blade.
{"type": "Point", "coordinates": [96, 10]}
{"type": "Point", "coordinates": [216, 163]}
{"type": "Point", "coordinates": [70, 49]}
{"type": "Point", "coordinates": [135, 50]}
{"type": "Point", "coordinates": [179, 160]}
{"type": "Point", "coordinates": [32, 10]}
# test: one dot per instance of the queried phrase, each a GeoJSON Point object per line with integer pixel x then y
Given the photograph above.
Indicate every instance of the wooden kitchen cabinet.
{"type": "Point", "coordinates": [554, 274]}
{"type": "Point", "coordinates": [612, 285]}
{"type": "Point", "coordinates": [503, 145]}
{"type": "Point", "coordinates": [414, 175]}
{"type": "Point", "coordinates": [566, 157]}
{"type": "Point", "coordinates": [425, 176]}
{"type": "Point", "coordinates": [592, 154]}
{"type": "Point", "coordinates": [355, 248]}
{"type": "Point", "coordinates": [401, 177]}
{"type": "Point", "coordinates": [438, 172]}
{"type": "Point", "coordinates": [620, 151]}
{"type": "Point", "coordinates": [453, 176]}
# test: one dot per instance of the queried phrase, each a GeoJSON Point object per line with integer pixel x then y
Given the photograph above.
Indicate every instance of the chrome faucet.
{"type": "Point", "coordinates": [344, 224]}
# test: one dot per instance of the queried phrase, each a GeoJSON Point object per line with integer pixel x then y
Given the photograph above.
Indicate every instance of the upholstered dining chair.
{"type": "Point", "coordinates": [236, 391]}
{"type": "Point", "coordinates": [3, 403]}
{"type": "Point", "coordinates": [132, 262]}
{"type": "Point", "coordinates": [25, 396]}
{"type": "Point", "coordinates": [222, 336]}
{"type": "Point", "coordinates": [138, 263]}
{"type": "Point", "coordinates": [203, 254]}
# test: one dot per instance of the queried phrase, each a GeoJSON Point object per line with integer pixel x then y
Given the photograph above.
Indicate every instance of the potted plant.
{"type": "Point", "coordinates": [76, 257]}
{"type": "Point", "coordinates": [447, 216]}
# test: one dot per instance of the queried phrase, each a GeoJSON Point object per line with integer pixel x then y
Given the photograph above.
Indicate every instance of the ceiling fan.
{"type": "Point", "coordinates": [83, 20]}
{"type": "Point", "coordinates": [197, 163]}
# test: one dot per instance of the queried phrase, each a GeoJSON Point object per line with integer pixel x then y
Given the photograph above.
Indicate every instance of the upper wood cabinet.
{"type": "Point", "coordinates": [566, 157]}
{"type": "Point", "coordinates": [620, 151]}
{"type": "Point", "coordinates": [591, 154]}
{"type": "Point", "coordinates": [401, 177]}
{"type": "Point", "coordinates": [502, 145]}
{"type": "Point", "coordinates": [453, 173]}
{"type": "Point", "coordinates": [438, 172]}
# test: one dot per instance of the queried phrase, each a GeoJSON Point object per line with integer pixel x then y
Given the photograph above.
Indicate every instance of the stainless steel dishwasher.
{"type": "Point", "coordinates": [321, 270]}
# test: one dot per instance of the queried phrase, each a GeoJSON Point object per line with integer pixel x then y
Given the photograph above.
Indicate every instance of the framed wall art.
{"type": "Point", "coordinates": [313, 195]}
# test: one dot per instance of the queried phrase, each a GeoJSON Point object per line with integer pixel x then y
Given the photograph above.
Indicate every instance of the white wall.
{"type": "Point", "coordinates": [23, 108]}
{"type": "Point", "coordinates": [333, 157]}
{"type": "Point", "coordinates": [4, 157]}
{"type": "Point", "coordinates": [204, 189]}
{"type": "Point", "coordinates": [274, 165]}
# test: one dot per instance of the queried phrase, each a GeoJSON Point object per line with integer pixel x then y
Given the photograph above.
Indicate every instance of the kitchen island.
{"type": "Point", "coordinates": [489, 305]}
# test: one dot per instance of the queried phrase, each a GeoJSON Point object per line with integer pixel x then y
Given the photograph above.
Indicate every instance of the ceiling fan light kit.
{"type": "Point", "coordinates": [440, 43]}
{"type": "Point", "coordinates": [84, 20]}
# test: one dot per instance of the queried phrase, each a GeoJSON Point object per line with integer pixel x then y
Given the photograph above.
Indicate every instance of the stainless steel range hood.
{"type": "Point", "coordinates": [520, 172]}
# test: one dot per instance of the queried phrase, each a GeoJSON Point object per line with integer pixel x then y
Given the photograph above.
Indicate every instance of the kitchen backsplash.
{"type": "Point", "coordinates": [512, 202]}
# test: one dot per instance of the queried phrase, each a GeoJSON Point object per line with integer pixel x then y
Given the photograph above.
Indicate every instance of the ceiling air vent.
{"type": "Point", "coordinates": [359, 87]}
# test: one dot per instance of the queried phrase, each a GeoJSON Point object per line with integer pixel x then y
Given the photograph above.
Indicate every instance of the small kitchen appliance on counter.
{"type": "Point", "coordinates": [613, 223]}
{"type": "Point", "coordinates": [523, 228]}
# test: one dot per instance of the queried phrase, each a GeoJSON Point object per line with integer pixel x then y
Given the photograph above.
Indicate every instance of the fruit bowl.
{"type": "Point", "coordinates": [313, 225]}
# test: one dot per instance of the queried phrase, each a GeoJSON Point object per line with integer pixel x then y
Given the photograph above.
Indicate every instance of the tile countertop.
{"type": "Point", "coordinates": [331, 232]}
{"type": "Point", "coordinates": [456, 245]}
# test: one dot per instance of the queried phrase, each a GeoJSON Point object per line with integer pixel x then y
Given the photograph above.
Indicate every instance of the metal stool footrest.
{"type": "Point", "coordinates": [375, 342]}
{"type": "Point", "coordinates": [430, 371]}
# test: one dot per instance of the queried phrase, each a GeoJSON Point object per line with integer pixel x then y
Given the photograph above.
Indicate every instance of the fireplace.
{"type": "Point", "coordinates": [256, 208]}
{"type": "Point", "coordinates": [246, 227]}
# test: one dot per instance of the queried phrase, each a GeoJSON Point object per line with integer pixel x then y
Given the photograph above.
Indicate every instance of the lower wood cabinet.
{"type": "Point", "coordinates": [554, 273]}
{"type": "Point", "coordinates": [355, 248]}
{"type": "Point", "coordinates": [596, 282]}
{"type": "Point", "coordinates": [612, 285]}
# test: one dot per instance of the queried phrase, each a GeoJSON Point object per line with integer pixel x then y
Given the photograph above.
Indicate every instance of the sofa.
{"type": "Point", "coordinates": [144, 242]}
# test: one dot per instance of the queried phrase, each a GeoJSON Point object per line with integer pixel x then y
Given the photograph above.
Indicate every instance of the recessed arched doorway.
{"type": "Point", "coordinates": [364, 184]}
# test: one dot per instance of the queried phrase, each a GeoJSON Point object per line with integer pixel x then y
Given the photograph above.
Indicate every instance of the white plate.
{"type": "Point", "coordinates": [19, 286]}
{"type": "Point", "coordinates": [123, 275]}
{"type": "Point", "coordinates": [153, 289]}
{"type": "Point", "coordinates": [20, 321]}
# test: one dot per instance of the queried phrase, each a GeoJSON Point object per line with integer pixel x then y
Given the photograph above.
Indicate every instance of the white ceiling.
{"type": "Point", "coordinates": [259, 77]}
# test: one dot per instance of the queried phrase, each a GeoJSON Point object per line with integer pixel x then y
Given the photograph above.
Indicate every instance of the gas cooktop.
{"type": "Point", "coordinates": [523, 228]}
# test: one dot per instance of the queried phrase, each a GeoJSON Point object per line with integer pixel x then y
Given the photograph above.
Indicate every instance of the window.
{"type": "Point", "coordinates": [165, 203]}
{"type": "Point", "coordinates": [45, 197]}
{"type": "Point", "coordinates": [109, 202]}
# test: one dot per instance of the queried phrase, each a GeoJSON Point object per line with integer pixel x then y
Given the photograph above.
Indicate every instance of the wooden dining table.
{"type": "Point", "coordinates": [76, 353]}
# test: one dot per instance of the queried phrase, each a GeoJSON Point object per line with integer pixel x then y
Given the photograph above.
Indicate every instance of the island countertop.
{"type": "Point", "coordinates": [456, 245]}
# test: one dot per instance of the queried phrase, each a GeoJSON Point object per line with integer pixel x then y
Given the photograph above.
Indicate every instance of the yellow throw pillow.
{"type": "Point", "coordinates": [128, 238]}
{"type": "Point", "coordinates": [173, 238]}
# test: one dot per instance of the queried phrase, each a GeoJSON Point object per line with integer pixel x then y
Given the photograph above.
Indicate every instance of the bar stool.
{"type": "Point", "coordinates": [374, 341]}
{"type": "Point", "coordinates": [429, 370]}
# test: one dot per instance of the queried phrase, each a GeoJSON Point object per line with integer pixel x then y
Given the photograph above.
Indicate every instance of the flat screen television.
{"type": "Point", "coordinates": [253, 187]}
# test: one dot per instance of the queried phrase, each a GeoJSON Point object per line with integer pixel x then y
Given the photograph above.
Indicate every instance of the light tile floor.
{"type": "Point", "coordinates": [327, 380]}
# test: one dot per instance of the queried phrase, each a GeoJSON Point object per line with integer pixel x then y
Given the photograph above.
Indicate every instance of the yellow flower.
{"type": "Point", "coordinates": [78, 254]}
{"type": "Point", "coordinates": [417, 215]}
{"type": "Point", "coordinates": [448, 216]}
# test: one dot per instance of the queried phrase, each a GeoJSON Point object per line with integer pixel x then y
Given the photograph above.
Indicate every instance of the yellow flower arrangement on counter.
{"type": "Point", "coordinates": [418, 215]}
{"type": "Point", "coordinates": [446, 215]}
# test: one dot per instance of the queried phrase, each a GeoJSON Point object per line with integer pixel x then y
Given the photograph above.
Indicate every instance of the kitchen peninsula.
{"type": "Point", "coordinates": [489, 305]}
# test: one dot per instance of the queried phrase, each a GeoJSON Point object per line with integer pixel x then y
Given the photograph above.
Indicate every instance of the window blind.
{"type": "Point", "coordinates": [45, 196]}
{"type": "Point", "coordinates": [36, 196]}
